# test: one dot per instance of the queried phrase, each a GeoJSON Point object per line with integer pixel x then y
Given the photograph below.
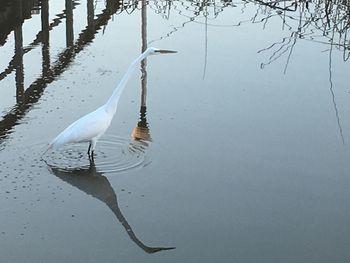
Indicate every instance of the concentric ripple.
{"type": "Point", "coordinates": [112, 154]}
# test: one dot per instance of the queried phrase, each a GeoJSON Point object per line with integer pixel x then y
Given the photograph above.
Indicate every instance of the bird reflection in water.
{"type": "Point", "coordinates": [95, 184]}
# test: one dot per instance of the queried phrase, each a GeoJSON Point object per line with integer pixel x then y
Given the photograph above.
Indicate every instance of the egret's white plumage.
{"type": "Point", "coordinates": [93, 125]}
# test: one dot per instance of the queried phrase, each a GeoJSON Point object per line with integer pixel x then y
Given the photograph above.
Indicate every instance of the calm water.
{"type": "Point", "coordinates": [235, 149]}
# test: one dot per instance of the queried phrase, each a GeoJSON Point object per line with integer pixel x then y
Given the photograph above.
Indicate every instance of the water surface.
{"type": "Point", "coordinates": [236, 149]}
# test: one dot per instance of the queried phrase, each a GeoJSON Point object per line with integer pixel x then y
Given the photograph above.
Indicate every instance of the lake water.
{"type": "Point", "coordinates": [235, 149]}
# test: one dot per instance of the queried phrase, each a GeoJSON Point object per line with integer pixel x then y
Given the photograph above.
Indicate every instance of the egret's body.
{"type": "Point", "coordinates": [92, 126]}
{"type": "Point", "coordinates": [89, 128]}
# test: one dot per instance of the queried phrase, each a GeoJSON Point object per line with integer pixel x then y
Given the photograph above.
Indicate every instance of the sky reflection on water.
{"type": "Point", "coordinates": [244, 133]}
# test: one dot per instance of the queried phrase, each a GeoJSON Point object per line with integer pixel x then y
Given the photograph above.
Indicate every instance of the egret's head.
{"type": "Point", "coordinates": [157, 51]}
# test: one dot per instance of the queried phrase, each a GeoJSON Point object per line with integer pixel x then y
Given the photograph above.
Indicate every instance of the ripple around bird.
{"type": "Point", "coordinates": [112, 154]}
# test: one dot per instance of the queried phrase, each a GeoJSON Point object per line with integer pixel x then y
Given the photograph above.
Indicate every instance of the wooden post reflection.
{"type": "Point", "coordinates": [18, 58]}
{"type": "Point", "coordinates": [35, 90]}
{"type": "Point", "coordinates": [69, 23]}
{"type": "Point", "coordinates": [45, 36]}
{"type": "Point", "coordinates": [90, 14]}
{"type": "Point", "coordinates": [143, 48]}
{"type": "Point", "coordinates": [141, 131]}
{"type": "Point", "coordinates": [19, 10]}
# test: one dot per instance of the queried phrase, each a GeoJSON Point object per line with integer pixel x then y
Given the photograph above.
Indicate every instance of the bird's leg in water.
{"type": "Point", "coordinates": [91, 153]}
{"type": "Point", "coordinates": [91, 149]}
{"type": "Point", "coordinates": [91, 157]}
{"type": "Point", "coordinates": [92, 165]}
{"type": "Point", "coordinates": [92, 145]}
{"type": "Point", "coordinates": [88, 152]}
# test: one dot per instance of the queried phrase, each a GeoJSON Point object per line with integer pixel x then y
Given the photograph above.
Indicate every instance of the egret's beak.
{"type": "Point", "coordinates": [163, 51]}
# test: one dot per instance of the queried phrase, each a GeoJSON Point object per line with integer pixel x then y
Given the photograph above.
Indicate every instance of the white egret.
{"type": "Point", "coordinates": [93, 125]}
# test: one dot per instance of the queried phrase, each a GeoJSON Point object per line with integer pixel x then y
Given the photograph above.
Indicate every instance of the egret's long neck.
{"type": "Point", "coordinates": [112, 103]}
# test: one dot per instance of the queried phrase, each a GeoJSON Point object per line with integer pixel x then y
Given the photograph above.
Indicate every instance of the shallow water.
{"type": "Point", "coordinates": [235, 149]}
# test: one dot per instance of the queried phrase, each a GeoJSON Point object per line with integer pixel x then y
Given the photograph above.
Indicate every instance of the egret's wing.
{"type": "Point", "coordinates": [84, 129]}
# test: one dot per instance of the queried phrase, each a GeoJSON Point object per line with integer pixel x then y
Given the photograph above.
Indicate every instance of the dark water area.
{"type": "Point", "coordinates": [235, 149]}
